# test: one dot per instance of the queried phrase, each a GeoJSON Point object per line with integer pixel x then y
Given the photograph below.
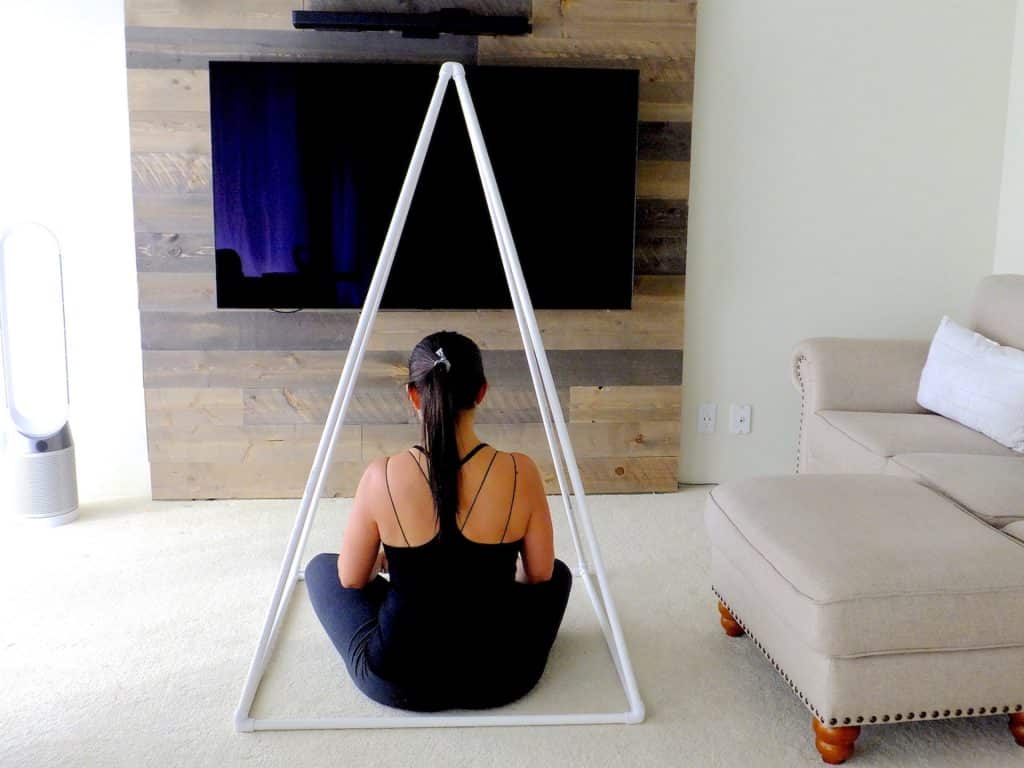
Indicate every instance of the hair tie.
{"type": "Point", "coordinates": [442, 359]}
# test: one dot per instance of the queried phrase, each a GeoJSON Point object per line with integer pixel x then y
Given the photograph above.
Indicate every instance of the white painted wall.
{"type": "Point", "coordinates": [1010, 233]}
{"type": "Point", "coordinates": [64, 155]}
{"type": "Point", "coordinates": [845, 182]}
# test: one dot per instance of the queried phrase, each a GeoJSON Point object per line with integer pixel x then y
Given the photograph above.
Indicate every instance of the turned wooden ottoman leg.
{"type": "Point", "coordinates": [835, 745]}
{"type": "Point", "coordinates": [1017, 727]}
{"type": "Point", "coordinates": [732, 629]}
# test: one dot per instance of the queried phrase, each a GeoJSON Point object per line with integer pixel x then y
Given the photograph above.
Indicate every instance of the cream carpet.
{"type": "Point", "coordinates": [125, 638]}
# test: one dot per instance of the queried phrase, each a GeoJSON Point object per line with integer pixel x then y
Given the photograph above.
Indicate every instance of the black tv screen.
{"type": "Point", "coordinates": [309, 158]}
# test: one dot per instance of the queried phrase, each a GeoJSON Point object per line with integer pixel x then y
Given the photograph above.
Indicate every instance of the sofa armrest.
{"type": "Point", "coordinates": [856, 375]}
{"type": "Point", "coordinates": [859, 374]}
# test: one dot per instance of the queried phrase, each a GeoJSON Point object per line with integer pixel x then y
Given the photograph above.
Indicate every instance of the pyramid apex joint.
{"type": "Point", "coordinates": [453, 69]}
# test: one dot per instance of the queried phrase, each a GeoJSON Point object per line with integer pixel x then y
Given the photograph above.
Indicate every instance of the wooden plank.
{"type": "Point", "coordinates": [661, 216]}
{"type": "Point", "coordinates": [304, 405]}
{"type": "Point", "coordinates": [594, 332]}
{"type": "Point", "coordinates": [666, 39]}
{"type": "Point", "coordinates": [193, 405]}
{"type": "Point", "coordinates": [593, 440]}
{"type": "Point", "coordinates": [188, 291]}
{"type": "Point", "coordinates": [600, 48]}
{"type": "Point", "coordinates": [616, 404]}
{"type": "Point", "coordinates": [388, 439]}
{"type": "Point", "coordinates": [190, 213]}
{"type": "Point", "coordinates": [174, 252]}
{"type": "Point", "coordinates": [663, 178]}
{"type": "Point", "coordinates": [172, 173]}
{"type": "Point", "coordinates": [194, 480]}
{"type": "Point", "coordinates": [589, 440]}
{"type": "Point", "coordinates": [229, 14]}
{"type": "Point", "coordinates": [666, 70]}
{"type": "Point", "coordinates": [169, 131]}
{"type": "Point", "coordinates": [657, 255]}
{"type": "Point", "coordinates": [168, 90]}
{"type": "Point", "coordinates": [299, 368]}
{"type": "Point", "coordinates": [310, 406]}
{"type": "Point", "coordinates": [666, 90]}
{"type": "Point", "coordinates": [190, 47]}
{"type": "Point", "coordinates": [681, 112]}
{"type": "Point", "coordinates": [248, 329]}
{"type": "Point", "coordinates": [660, 236]}
{"type": "Point", "coordinates": [662, 294]}
{"type": "Point", "coordinates": [663, 141]}
{"type": "Point", "coordinates": [179, 480]}
{"type": "Point", "coordinates": [179, 313]}
{"type": "Point", "coordinates": [659, 288]}
{"type": "Point", "coordinates": [614, 20]}
{"type": "Point", "coordinates": [656, 12]}
{"type": "Point", "coordinates": [250, 445]}
{"type": "Point", "coordinates": [619, 475]}
{"type": "Point", "coordinates": [311, 368]}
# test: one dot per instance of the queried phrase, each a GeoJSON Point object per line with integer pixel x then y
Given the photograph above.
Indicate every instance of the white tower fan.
{"type": "Point", "coordinates": [41, 485]}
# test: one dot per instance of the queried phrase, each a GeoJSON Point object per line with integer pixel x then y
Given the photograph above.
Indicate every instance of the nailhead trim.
{"type": "Point", "coordinates": [885, 718]}
{"type": "Point", "coordinates": [800, 432]}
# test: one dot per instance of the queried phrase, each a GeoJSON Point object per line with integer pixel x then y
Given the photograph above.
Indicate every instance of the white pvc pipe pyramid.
{"type": "Point", "coordinates": [573, 496]}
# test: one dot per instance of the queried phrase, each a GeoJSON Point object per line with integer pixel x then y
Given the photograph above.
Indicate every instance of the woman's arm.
{"type": "Point", "coordinates": [539, 542]}
{"type": "Point", "coordinates": [360, 545]}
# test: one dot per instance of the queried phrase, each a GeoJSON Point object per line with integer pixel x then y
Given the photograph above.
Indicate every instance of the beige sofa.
{"type": "Point", "coordinates": [880, 582]}
{"type": "Point", "coordinates": [859, 412]}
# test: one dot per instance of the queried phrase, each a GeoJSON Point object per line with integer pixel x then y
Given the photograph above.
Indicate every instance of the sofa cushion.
{"type": "Point", "coordinates": [991, 487]}
{"type": "Point", "coordinates": [889, 434]}
{"type": "Point", "coordinates": [866, 564]}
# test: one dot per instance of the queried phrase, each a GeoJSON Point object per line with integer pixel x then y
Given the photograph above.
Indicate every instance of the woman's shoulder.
{"type": "Point", "coordinates": [526, 468]}
{"type": "Point", "coordinates": [523, 460]}
{"type": "Point", "coordinates": [379, 469]}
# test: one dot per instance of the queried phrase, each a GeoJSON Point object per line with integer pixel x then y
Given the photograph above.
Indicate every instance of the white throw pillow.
{"type": "Point", "coordinates": [976, 382]}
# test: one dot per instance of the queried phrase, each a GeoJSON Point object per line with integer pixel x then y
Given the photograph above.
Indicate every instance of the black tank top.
{"type": "Point", "coordinates": [446, 596]}
{"type": "Point", "coordinates": [437, 562]}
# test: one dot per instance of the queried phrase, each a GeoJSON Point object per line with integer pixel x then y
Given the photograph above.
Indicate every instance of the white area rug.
{"type": "Point", "coordinates": [125, 638]}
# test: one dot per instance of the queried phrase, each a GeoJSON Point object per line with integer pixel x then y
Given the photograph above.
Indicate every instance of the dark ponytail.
{"type": "Point", "coordinates": [447, 371]}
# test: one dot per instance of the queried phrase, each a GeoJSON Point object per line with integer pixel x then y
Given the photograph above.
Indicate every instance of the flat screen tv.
{"type": "Point", "coordinates": [308, 160]}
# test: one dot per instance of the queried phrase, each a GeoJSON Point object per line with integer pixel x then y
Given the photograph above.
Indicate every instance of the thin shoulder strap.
{"type": "Point", "coordinates": [387, 484]}
{"type": "Point", "coordinates": [477, 496]}
{"type": "Point", "coordinates": [472, 453]}
{"type": "Point", "coordinates": [515, 482]}
{"type": "Point", "coordinates": [419, 466]}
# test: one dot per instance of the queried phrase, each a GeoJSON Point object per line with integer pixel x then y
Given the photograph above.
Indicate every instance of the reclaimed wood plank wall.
{"type": "Point", "coordinates": [236, 399]}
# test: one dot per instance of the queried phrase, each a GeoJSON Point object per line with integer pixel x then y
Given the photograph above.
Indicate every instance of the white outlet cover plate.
{"type": "Point", "coordinates": [706, 418]}
{"type": "Point", "coordinates": [739, 419]}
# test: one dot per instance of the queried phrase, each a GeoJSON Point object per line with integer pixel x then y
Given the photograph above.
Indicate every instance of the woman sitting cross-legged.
{"type": "Point", "coordinates": [475, 596]}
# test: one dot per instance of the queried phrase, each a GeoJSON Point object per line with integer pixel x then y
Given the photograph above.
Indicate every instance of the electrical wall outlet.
{"type": "Point", "coordinates": [706, 417]}
{"type": "Point", "coordinates": [739, 419]}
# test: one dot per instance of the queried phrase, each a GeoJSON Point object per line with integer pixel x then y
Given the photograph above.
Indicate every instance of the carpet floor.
{"type": "Point", "coordinates": [125, 638]}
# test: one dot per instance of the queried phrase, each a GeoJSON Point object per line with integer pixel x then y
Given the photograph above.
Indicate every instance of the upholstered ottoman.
{"type": "Point", "coordinates": [876, 599]}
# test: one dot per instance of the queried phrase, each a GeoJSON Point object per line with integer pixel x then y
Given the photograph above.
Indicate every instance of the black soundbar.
{"type": "Point", "coordinates": [451, 21]}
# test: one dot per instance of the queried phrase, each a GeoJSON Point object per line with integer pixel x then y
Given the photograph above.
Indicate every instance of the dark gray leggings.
{"type": "Point", "coordinates": [350, 617]}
